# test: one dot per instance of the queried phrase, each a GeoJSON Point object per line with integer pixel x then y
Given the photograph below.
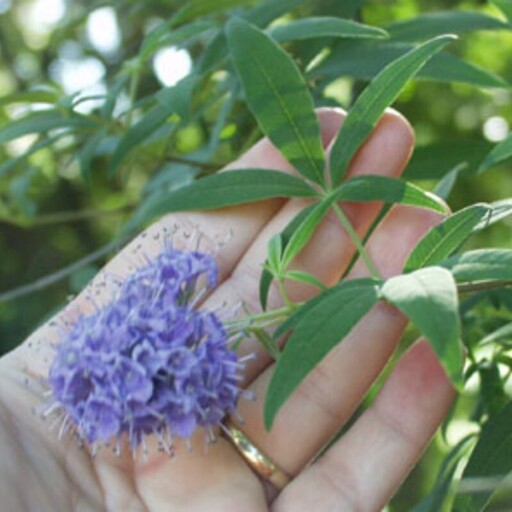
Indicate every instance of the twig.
{"type": "Point", "coordinates": [479, 286]}
{"type": "Point", "coordinates": [69, 216]}
{"type": "Point", "coordinates": [48, 280]}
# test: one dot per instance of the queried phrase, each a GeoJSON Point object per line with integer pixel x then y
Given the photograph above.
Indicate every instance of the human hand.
{"type": "Point", "coordinates": [361, 471]}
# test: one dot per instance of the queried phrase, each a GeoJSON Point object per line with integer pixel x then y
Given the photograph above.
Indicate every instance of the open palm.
{"type": "Point", "coordinates": [360, 471]}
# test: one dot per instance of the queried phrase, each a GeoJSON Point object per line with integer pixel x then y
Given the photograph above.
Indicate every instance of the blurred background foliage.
{"type": "Point", "coordinates": [91, 127]}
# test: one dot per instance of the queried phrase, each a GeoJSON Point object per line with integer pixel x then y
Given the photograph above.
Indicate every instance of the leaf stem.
{"type": "Point", "coordinates": [356, 241]}
{"type": "Point", "coordinates": [481, 286]}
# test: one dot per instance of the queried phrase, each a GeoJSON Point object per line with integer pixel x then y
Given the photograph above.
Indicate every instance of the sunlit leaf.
{"type": "Point", "coordinates": [280, 101]}
{"type": "Point", "coordinates": [505, 6]}
{"type": "Point", "coordinates": [442, 240]}
{"type": "Point", "coordinates": [437, 23]}
{"type": "Point", "coordinates": [224, 189]}
{"type": "Point", "coordinates": [380, 188]}
{"type": "Point", "coordinates": [314, 27]}
{"type": "Point", "coordinates": [325, 325]}
{"type": "Point", "coordinates": [428, 297]}
{"type": "Point", "coordinates": [370, 105]}
{"type": "Point", "coordinates": [491, 460]}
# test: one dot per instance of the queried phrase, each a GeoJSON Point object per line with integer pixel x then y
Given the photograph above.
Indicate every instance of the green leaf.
{"type": "Point", "coordinates": [504, 332]}
{"type": "Point", "coordinates": [165, 35]}
{"type": "Point", "coordinates": [314, 27]}
{"type": "Point", "coordinates": [224, 189]}
{"type": "Point", "coordinates": [364, 59]}
{"type": "Point", "coordinates": [170, 100]}
{"type": "Point", "coordinates": [260, 15]}
{"type": "Point", "coordinates": [370, 105]}
{"type": "Point", "coordinates": [266, 277]}
{"type": "Point", "coordinates": [275, 252]}
{"type": "Point", "coordinates": [379, 188]}
{"type": "Point", "coordinates": [437, 498]}
{"type": "Point", "coordinates": [500, 153]}
{"type": "Point", "coordinates": [49, 96]}
{"type": "Point", "coordinates": [278, 97]}
{"type": "Point", "coordinates": [303, 233]}
{"type": "Point", "coordinates": [491, 458]}
{"type": "Point", "coordinates": [499, 210]}
{"type": "Point", "coordinates": [304, 277]}
{"type": "Point", "coordinates": [443, 239]}
{"type": "Point", "coordinates": [481, 265]}
{"type": "Point", "coordinates": [333, 316]}
{"type": "Point", "coordinates": [42, 122]}
{"type": "Point", "coordinates": [491, 387]}
{"type": "Point", "coordinates": [193, 9]}
{"type": "Point", "coordinates": [267, 343]}
{"type": "Point", "coordinates": [433, 161]}
{"type": "Point", "coordinates": [505, 6]}
{"type": "Point", "coordinates": [34, 148]}
{"type": "Point", "coordinates": [437, 23]}
{"type": "Point", "coordinates": [429, 299]}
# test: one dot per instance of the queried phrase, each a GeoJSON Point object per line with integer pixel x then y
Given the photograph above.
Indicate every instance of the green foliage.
{"type": "Point", "coordinates": [370, 105]}
{"type": "Point", "coordinates": [79, 168]}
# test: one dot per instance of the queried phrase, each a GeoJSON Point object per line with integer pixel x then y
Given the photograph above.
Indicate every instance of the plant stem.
{"type": "Point", "coordinates": [356, 241]}
{"type": "Point", "coordinates": [276, 314]}
{"type": "Point", "coordinates": [481, 286]}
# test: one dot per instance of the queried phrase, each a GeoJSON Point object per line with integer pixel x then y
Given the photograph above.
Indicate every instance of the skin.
{"type": "Point", "coordinates": [360, 472]}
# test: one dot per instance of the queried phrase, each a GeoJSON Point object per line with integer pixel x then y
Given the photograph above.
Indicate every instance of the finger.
{"type": "Point", "coordinates": [242, 222]}
{"type": "Point", "coordinates": [326, 399]}
{"type": "Point", "coordinates": [330, 249]}
{"type": "Point", "coordinates": [365, 468]}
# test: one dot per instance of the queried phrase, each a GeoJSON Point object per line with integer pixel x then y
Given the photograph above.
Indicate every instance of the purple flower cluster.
{"type": "Point", "coordinates": [148, 363]}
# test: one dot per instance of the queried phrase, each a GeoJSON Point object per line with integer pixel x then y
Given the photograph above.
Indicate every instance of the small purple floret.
{"type": "Point", "coordinates": [148, 363]}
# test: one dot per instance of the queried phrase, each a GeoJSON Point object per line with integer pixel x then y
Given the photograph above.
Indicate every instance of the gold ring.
{"type": "Point", "coordinates": [261, 463]}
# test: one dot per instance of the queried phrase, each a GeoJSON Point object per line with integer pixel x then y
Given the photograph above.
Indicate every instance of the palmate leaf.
{"type": "Point", "coordinates": [437, 23]}
{"type": "Point", "coordinates": [365, 59]}
{"type": "Point", "coordinates": [224, 189]}
{"type": "Point", "coordinates": [333, 315]}
{"type": "Point", "coordinates": [442, 240]}
{"type": "Point", "coordinates": [314, 27]}
{"type": "Point", "coordinates": [491, 458]}
{"type": "Point", "coordinates": [266, 277]}
{"type": "Point", "coordinates": [380, 188]}
{"type": "Point", "coordinates": [500, 153]}
{"type": "Point", "coordinates": [278, 97]}
{"type": "Point", "coordinates": [428, 297]}
{"type": "Point", "coordinates": [370, 105]}
{"type": "Point", "coordinates": [481, 265]}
